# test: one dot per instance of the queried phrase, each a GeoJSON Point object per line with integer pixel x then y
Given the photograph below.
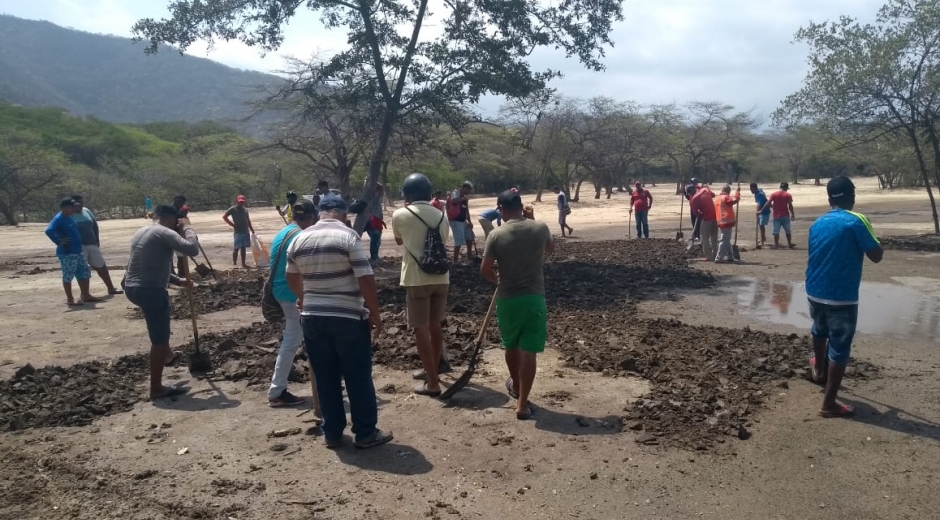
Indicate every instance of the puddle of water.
{"type": "Point", "coordinates": [897, 311]}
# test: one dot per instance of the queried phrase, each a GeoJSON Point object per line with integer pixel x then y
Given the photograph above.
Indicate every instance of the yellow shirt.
{"type": "Point", "coordinates": [410, 229]}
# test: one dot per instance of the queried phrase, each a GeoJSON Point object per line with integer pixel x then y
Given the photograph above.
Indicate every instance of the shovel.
{"type": "Point", "coordinates": [630, 224]}
{"type": "Point", "coordinates": [211, 269]}
{"type": "Point", "coordinates": [199, 361]}
{"type": "Point", "coordinates": [468, 374]}
{"type": "Point", "coordinates": [201, 269]}
{"type": "Point", "coordinates": [757, 233]}
{"type": "Point", "coordinates": [735, 252]}
{"type": "Point", "coordinates": [692, 240]}
{"type": "Point", "coordinates": [314, 396]}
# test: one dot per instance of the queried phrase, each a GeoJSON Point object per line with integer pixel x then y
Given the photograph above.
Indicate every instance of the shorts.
{"type": "Point", "coordinates": [155, 304]}
{"type": "Point", "coordinates": [523, 322]}
{"type": "Point", "coordinates": [458, 229]}
{"type": "Point", "coordinates": [763, 219]}
{"type": "Point", "coordinates": [242, 241]}
{"type": "Point", "coordinates": [74, 266]}
{"type": "Point", "coordinates": [93, 256]}
{"type": "Point", "coordinates": [425, 304]}
{"type": "Point", "coordinates": [471, 238]}
{"type": "Point", "coordinates": [562, 218]}
{"type": "Point", "coordinates": [782, 222]}
{"type": "Point", "coordinates": [837, 324]}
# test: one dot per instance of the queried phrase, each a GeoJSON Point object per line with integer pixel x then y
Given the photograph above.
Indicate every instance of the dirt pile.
{"type": "Point", "coordinates": [233, 289]}
{"type": "Point", "coordinates": [930, 243]}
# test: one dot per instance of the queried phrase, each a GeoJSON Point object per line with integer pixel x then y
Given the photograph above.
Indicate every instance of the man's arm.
{"type": "Point", "coordinates": [369, 294]}
{"type": "Point", "coordinates": [765, 207]}
{"type": "Point", "coordinates": [396, 229]}
{"type": "Point", "coordinates": [94, 224]}
{"type": "Point", "coordinates": [53, 233]}
{"type": "Point", "coordinates": [188, 244]}
{"type": "Point", "coordinates": [649, 197]}
{"type": "Point", "coordinates": [488, 269]}
{"type": "Point", "coordinates": [876, 254]}
{"type": "Point", "coordinates": [227, 220]}
{"type": "Point", "coordinates": [790, 205]}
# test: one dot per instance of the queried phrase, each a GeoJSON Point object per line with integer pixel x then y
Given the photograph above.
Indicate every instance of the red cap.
{"type": "Point", "coordinates": [240, 198]}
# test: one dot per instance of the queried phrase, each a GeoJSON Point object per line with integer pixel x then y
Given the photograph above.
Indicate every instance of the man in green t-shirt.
{"type": "Point", "coordinates": [518, 249]}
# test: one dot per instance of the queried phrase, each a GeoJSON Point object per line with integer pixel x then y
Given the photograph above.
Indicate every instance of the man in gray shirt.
{"type": "Point", "coordinates": [241, 225]}
{"type": "Point", "coordinates": [148, 272]}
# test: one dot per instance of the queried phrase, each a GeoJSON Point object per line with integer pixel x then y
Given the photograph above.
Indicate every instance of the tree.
{"type": "Point", "coordinates": [481, 48]}
{"type": "Point", "coordinates": [25, 169]}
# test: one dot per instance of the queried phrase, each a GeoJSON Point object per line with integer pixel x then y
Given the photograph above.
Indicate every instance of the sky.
{"type": "Point", "coordinates": [735, 51]}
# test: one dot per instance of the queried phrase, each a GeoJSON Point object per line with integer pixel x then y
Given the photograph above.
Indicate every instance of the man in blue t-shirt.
{"type": "Point", "coordinates": [838, 243]}
{"type": "Point", "coordinates": [763, 214]}
{"type": "Point", "coordinates": [304, 215]}
{"type": "Point", "coordinates": [486, 221]}
{"type": "Point", "coordinates": [64, 234]}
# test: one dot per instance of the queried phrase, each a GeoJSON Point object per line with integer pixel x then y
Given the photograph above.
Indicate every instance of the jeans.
{"type": "Point", "coordinates": [642, 224]}
{"type": "Point", "coordinates": [341, 349]}
{"type": "Point", "coordinates": [375, 241]}
{"type": "Point", "coordinates": [709, 232]}
{"type": "Point", "coordinates": [724, 245]}
{"type": "Point", "coordinates": [837, 324]}
{"type": "Point", "coordinates": [696, 232]}
{"type": "Point", "coordinates": [290, 344]}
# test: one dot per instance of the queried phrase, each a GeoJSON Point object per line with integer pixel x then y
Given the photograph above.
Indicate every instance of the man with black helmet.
{"type": "Point", "coordinates": [288, 211]}
{"type": "Point", "coordinates": [426, 294]}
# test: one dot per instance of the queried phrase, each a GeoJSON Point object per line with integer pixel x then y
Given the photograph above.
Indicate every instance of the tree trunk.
{"type": "Point", "coordinates": [375, 168]}
{"type": "Point", "coordinates": [577, 191]}
{"type": "Point", "coordinates": [388, 191]}
{"type": "Point", "coordinates": [9, 215]}
{"type": "Point", "coordinates": [912, 133]}
{"type": "Point", "coordinates": [597, 190]}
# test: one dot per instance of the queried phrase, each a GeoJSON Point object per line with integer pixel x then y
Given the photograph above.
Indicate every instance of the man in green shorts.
{"type": "Point", "coordinates": [518, 249]}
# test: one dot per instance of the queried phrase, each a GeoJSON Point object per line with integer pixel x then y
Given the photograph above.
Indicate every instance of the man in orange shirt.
{"type": "Point", "coordinates": [724, 210]}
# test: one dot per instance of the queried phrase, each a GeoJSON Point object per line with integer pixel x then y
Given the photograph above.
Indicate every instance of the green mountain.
{"type": "Point", "coordinates": [42, 64]}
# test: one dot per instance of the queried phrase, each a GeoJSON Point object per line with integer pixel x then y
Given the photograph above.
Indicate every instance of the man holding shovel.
{"type": "Point", "coordinates": [148, 271]}
{"type": "Point", "coordinates": [703, 209]}
{"type": "Point", "coordinates": [518, 249]}
{"type": "Point", "coordinates": [724, 210]}
{"type": "Point", "coordinates": [304, 215]}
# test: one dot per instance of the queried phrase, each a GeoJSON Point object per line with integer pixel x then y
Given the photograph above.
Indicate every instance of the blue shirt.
{"type": "Point", "coordinates": [838, 242]}
{"type": "Point", "coordinates": [279, 249]}
{"type": "Point", "coordinates": [491, 215]}
{"type": "Point", "coordinates": [761, 199]}
{"type": "Point", "coordinates": [64, 227]}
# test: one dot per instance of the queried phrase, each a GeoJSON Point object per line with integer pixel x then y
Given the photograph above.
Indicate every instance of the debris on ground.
{"type": "Point", "coordinates": [928, 243]}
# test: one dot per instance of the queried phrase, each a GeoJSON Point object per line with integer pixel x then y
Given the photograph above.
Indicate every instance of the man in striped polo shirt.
{"type": "Point", "coordinates": [329, 272]}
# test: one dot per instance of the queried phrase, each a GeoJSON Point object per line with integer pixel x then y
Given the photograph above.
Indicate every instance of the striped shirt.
{"type": "Point", "coordinates": [330, 257]}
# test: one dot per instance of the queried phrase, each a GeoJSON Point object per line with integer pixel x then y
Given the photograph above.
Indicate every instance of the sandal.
{"type": "Point", "coordinates": [527, 414]}
{"type": "Point", "coordinates": [79, 303]}
{"type": "Point", "coordinates": [422, 389]}
{"type": "Point", "coordinates": [844, 410]}
{"type": "Point", "coordinates": [115, 291]}
{"type": "Point", "coordinates": [814, 371]}
{"type": "Point", "coordinates": [512, 393]}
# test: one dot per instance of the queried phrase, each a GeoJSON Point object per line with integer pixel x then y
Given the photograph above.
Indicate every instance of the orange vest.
{"type": "Point", "coordinates": [724, 210]}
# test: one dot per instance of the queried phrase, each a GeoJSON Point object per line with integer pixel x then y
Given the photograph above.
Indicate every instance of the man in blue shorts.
{"type": "Point", "coordinates": [763, 214]}
{"type": "Point", "coordinates": [241, 227]}
{"type": "Point", "coordinates": [64, 234]}
{"type": "Point", "coordinates": [838, 243]}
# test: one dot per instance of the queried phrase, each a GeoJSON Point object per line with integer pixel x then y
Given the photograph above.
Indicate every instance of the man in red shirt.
{"type": "Point", "coordinates": [436, 201]}
{"type": "Point", "coordinates": [642, 201]}
{"type": "Point", "coordinates": [702, 205]}
{"type": "Point", "coordinates": [781, 203]}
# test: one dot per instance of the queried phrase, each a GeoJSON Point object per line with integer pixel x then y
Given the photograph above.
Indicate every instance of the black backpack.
{"type": "Point", "coordinates": [434, 260]}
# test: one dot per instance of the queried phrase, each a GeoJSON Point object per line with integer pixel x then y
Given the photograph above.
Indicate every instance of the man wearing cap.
{"type": "Point", "coordinates": [304, 214]}
{"type": "Point", "coordinates": [328, 271]}
{"type": "Point", "coordinates": [91, 242]}
{"type": "Point", "coordinates": [63, 232]}
{"type": "Point", "coordinates": [517, 249]}
{"type": "Point", "coordinates": [642, 201]}
{"type": "Point", "coordinates": [458, 207]}
{"type": "Point", "coordinates": [242, 228]}
{"type": "Point", "coordinates": [425, 293]}
{"type": "Point", "coordinates": [727, 219]}
{"type": "Point", "coordinates": [839, 241]}
{"type": "Point", "coordinates": [763, 213]}
{"type": "Point", "coordinates": [781, 204]}
{"type": "Point", "coordinates": [148, 272]}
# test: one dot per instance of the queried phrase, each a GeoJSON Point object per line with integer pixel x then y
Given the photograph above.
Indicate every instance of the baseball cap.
{"type": "Point", "coordinates": [840, 188]}
{"type": "Point", "coordinates": [332, 203]}
{"type": "Point", "coordinates": [509, 200]}
{"type": "Point", "coordinates": [304, 209]}
{"type": "Point", "coordinates": [240, 198]}
{"type": "Point", "coordinates": [66, 202]}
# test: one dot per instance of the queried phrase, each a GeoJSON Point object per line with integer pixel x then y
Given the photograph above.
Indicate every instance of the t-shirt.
{"type": "Point", "coordinates": [780, 204]}
{"type": "Point", "coordinates": [239, 216]}
{"type": "Point", "coordinates": [279, 250]}
{"type": "Point", "coordinates": [518, 247]}
{"type": "Point", "coordinates": [838, 242]}
{"type": "Point", "coordinates": [412, 232]}
{"type": "Point", "coordinates": [438, 203]}
{"type": "Point", "coordinates": [491, 215]}
{"type": "Point", "coordinates": [330, 257]}
{"type": "Point", "coordinates": [64, 227]}
{"type": "Point", "coordinates": [641, 200]}
{"type": "Point", "coordinates": [760, 198]}
{"type": "Point", "coordinates": [464, 206]}
{"type": "Point", "coordinates": [703, 205]}
{"type": "Point", "coordinates": [562, 201]}
{"type": "Point", "coordinates": [152, 252]}
{"type": "Point", "coordinates": [87, 226]}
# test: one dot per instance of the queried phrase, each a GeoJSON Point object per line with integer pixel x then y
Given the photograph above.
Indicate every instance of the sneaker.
{"type": "Point", "coordinates": [376, 439]}
{"type": "Point", "coordinates": [285, 399]}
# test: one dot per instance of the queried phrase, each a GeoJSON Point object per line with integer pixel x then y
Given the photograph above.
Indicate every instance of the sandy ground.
{"type": "Point", "coordinates": [473, 459]}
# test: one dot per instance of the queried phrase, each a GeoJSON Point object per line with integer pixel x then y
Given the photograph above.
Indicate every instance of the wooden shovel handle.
{"type": "Point", "coordinates": [192, 302]}
{"type": "Point", "coordinates": [488, 317]}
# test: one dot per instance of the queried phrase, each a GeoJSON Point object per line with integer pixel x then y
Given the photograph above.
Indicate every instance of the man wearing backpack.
{"type": "Point", "coordinates": [458, 213]}
{"type": "Point", "coordinates": [422, 231]}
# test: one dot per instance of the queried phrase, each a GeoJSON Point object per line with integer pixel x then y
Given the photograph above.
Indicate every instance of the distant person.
{"type": "Point", "coordinates": [563, 211]}
{"type": "Point", "coordinates": [642, 201]}
{"type": "Point", "coordinates": [763, 212]}
{"type": "Point", "coordinates": [288, 211]}
{"type": "Point", "coordinates": [148, 207]}
{"type": "Point", "coordinates": [323, 188]}
{"type": "Point", "coordinates": [458, 215]}
{"type": "Point", "coordinates": [688, 192]}
{"type": "Point", "coordinates": [374, 227]}
{"type": "Point", "coordinates": [781, 203]}
{"type": "Point", "coordinates": [148, 273]}
{"type": "Point", "coordinates": [727, 219]}
{"type": "Point", "coordinates": [179, 202]}
{"type": "Point", "coordinates": [304, 214]}
{"type": "Point", "coordinates": [63, 232]}
{"type": "Point", "coordinates": [838, 243]}
{"type": "Point", "coordinates": [91, 242]}
{"type": "Point", "coordinates": [518, 250]}
{"type": "Point", "coordinates": [703, 208]}
{"type": "Point", "coordinates": [237, 218]}
{"type": "Point", "coordinates": [329, 273]}
{"type": "Point", "coordinates": [425, 293]}
{"type": "Point", "coordinates": [486, 221]}
{"type": "Point", "coordinates": [437, 201]}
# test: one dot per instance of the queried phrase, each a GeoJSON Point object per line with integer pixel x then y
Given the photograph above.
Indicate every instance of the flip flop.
{"type": "Point", "coordinates": [844, 410]}
{"type": "Point", "coordinates": [92, 300]}
{"type": "Point", "coordinates": [512, 393]}
{"type": "Point", "coordinates": [175, 391]}
{"type": "Point", "coordinates": [115, 291]}
{"type": "Point", "coordinates": [173, 359]}
{"type": "Point", "coordinates": [422, 389]}
{"type": "Point", "coordinates": [527, 414]}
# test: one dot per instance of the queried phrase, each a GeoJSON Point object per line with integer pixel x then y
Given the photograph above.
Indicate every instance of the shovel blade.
{"type": "Point", "coordinates": [736, 253]}
{"type": "Point", "coordinates": [464, 378]}
{"type": "Point", "coordinates": [199, 362]}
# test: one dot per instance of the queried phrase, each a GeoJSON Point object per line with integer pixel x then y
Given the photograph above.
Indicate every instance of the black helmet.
{"type": "Point", "coordinates": [416, 187]}
{"type": "Point", "coordinates": [291, 195]}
